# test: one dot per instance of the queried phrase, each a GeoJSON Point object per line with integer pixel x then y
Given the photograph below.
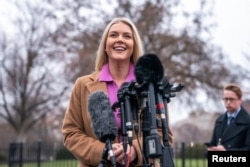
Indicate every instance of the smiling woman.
{"type": "Point", "coordinates": [118, 52]}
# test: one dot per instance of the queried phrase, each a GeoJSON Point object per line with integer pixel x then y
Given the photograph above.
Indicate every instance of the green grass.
{"type": "Point", "coordinates": [59, 163]}
{"type": "Point", "coordinates": [73, 163]}
{"type": "Point", "coordinates": [191, 163]}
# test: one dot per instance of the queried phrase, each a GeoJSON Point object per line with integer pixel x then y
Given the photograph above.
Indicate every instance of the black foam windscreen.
{"type": "Point", "coordinates": [149, 69]}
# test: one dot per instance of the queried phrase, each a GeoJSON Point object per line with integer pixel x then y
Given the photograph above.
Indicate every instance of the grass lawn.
{"type": "Point", "coordinates": [73, 163]}
{"type": "Point", "coordinates": [191, 163]}
{"type": "Point", "coordinates": [57, 163]}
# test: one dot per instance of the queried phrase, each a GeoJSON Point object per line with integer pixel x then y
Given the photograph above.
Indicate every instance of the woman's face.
{"type": "Point", "coordinates": [120, 42]}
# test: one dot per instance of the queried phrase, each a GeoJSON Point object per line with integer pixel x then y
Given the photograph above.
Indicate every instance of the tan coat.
{"type": "Point", "coordinates": [79, 138]}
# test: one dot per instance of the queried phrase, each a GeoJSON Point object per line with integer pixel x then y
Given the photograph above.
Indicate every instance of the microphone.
{"type": "Point", "coordinates": [149, 72]}
{"type": "Point", "coordinates": [149, 69]}
{"type": "Point", "coordinates": [124, 95]}
{"type": "Point", "coordinates": [103, 121]}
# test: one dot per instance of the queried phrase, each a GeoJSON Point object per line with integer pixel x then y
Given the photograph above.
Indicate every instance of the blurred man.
{"type": "Point", "coordinates": [232, 129]}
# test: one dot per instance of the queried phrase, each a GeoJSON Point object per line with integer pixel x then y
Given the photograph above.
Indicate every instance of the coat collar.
{"type": "Point", "coordinates": [233, 129]}
{"type": "Point", "coordinates": [96, 84]}
{"type": "Point", "coordinates": [240, 119]}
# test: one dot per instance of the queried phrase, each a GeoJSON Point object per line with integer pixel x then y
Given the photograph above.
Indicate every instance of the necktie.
{"type": "Point", "coordinates": [229, 120]}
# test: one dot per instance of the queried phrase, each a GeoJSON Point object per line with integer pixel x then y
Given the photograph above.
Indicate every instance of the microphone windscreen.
{"type": "Point", "coordinates": [148, 69]}
{"type": "Point", "coordinates": [102, 116]}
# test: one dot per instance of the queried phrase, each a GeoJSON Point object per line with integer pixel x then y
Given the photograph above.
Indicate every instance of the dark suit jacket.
{"type": "Point", "coordinates": [236, 137]}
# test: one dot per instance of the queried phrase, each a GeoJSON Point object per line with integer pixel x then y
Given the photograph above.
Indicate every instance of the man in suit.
{"type": "Point", "coordinates": [232, 129]}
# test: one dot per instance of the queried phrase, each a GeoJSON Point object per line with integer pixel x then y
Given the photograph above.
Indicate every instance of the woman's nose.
{"type": "Point", "coordinates": [120, 38]}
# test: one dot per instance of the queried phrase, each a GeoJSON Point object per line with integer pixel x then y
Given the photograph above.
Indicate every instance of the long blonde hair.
{"type": "Point", "coordinates": [102, 57]}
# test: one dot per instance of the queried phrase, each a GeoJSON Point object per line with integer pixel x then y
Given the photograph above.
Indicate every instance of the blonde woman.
{"type": "Point", "coordinates": [119, 50]}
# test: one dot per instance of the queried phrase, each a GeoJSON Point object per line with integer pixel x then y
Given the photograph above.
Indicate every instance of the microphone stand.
{"type": "Point", "coordinates": [103, 161]}
{"type": "Point", "coordinates": [145, 127]}
{"type": "Point", "coordinates": [165, 92]}
{"type": "Point", "coordinates": [110, 152]}
{"type": "Point", "coordinates": [123, 126]}
{"type": "Point", "coordinates": [107, 151]}
{"type": "Point", "coordinates": [121, 100]}
{"type": "Point", "coordinates": [151, 139]}
{"type": "Point", "coordinates": [158, 97]}
{"type": "Point", "coordinates": [166, 159]}
{"type": "Point", "coordinates": [153, 96]}
{"type": "Point", "coordinates": [125, 95]}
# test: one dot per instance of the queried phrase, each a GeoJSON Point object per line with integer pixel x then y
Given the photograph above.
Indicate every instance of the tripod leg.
{"type": "Point", "coordinates": [166, 159]}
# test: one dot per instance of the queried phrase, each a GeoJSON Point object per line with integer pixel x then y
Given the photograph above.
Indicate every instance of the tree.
{"type": "Point", "coordinates": [61, 39]}
{"type": "Point", "coordinates": [30, 87]}
{"type": "Point", "coordinates": [187, 133]}
{"type": "Point", "coordinates": [186, 52]}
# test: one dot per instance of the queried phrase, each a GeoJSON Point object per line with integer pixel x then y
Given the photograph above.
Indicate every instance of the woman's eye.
{"type": "Point", "coordinates": [113, 35]}
{"type": "Point", "coordinates": [128, 36]}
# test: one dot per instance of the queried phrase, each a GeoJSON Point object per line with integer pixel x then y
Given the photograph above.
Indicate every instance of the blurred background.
{"type": "Point", "coordinates": [45, 45]}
